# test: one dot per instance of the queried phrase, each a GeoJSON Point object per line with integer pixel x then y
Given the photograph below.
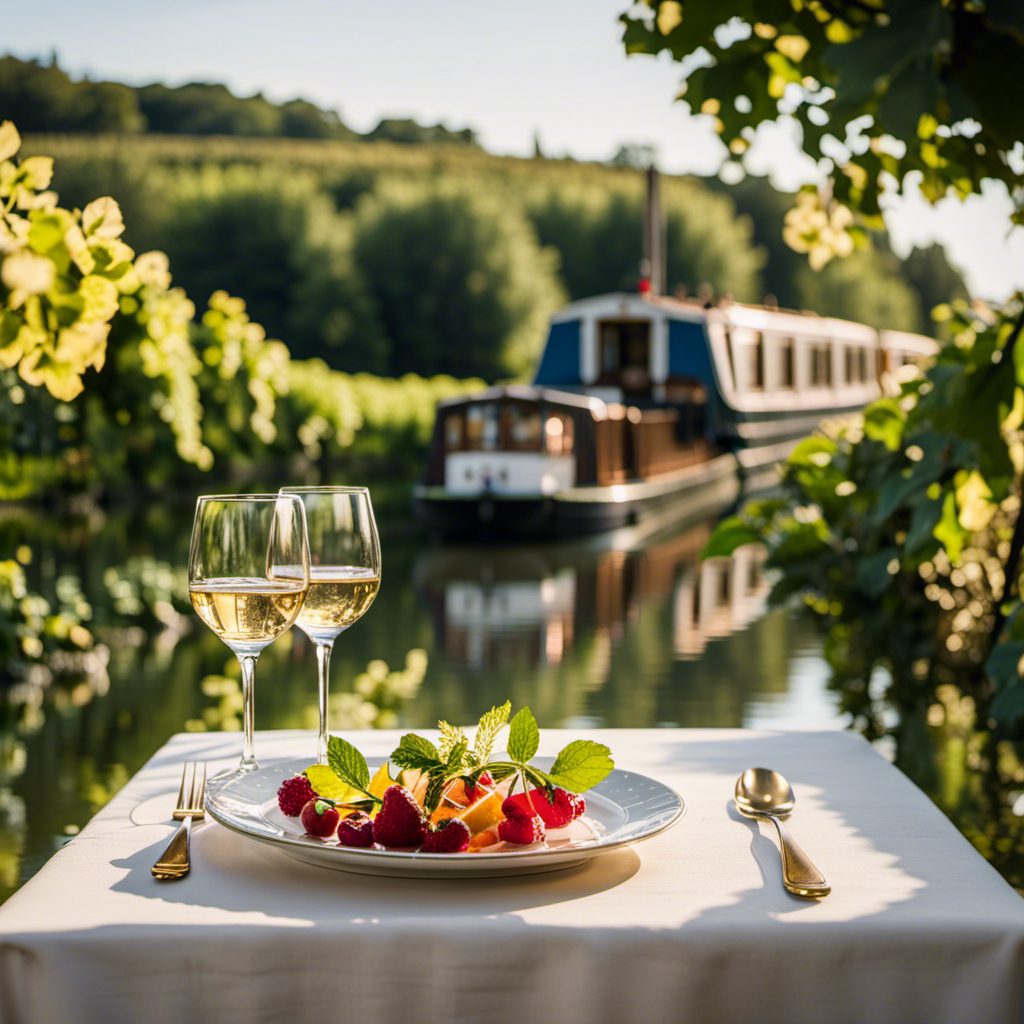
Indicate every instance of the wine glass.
{"type": "Point", "coordinates": [344, 573]}
{"type": "Point", "coordinates": [248, 574]}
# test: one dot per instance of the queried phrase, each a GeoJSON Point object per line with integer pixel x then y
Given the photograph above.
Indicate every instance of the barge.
{"type": "Point", "coordinates": [643, 403]}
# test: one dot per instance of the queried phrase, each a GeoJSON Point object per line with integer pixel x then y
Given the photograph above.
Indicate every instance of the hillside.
{"type": "Point", "coordinates": [440, 258]}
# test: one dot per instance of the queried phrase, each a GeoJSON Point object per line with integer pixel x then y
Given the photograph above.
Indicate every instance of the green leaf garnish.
{"type": "Point", "coordinates": [581, 765]}
{"type": "Point", "coordinates": [523, 736]}
{"type": "Point", "coordinates": [491, 723]}
{"type": "Point", "coordinates": [451, 735]}
{"type": "Point", "coordinates": [347, 763]}
{"type": "Point", "coordinates": [416, 752]}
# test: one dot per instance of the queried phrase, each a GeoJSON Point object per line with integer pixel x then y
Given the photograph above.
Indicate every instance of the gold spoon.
{"type": "Point", "coordinates": [762, 793]}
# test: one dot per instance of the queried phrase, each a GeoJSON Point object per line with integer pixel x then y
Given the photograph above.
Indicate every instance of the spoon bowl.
{"type": "Point", "coordinates": [763, 793]}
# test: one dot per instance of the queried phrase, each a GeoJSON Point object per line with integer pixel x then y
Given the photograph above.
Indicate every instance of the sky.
{"type": "Point", "coordinates": [512, 70]}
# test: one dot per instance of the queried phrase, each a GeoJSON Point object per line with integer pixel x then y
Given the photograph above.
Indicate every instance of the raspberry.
{"type": "Point", "coordinates": [293, 795]}
{"type": "Point", "coordinates": [450, 836]}
{"type": "Point", "coordinates": [400, 819]}
{"type": "Point", "coordinates": [320, 823]}
{"type": "Point", "coordinates": [522, 830]}
{"type": "Point", "coordinates": [554, 815]}
{"type": "Point", "coordinates": [356, 829]}
{"type": "Point", "coordinates": [484, 784]}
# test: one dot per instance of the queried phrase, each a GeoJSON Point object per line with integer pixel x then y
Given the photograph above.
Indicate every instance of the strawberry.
{"type": "Point", "coordinates": [356, 829]}
{"type": "Point", "coordinates": [449, 836]}
{"type": "Point", "coordinates": [577, 804]}
{"type": "Point", "coordinates": [399, 821]}
{"type": "Point", "coordinates": [293, 794]}
{"type": "Point", "coordinates": [535, 801]}
{"type": "Point", "coordinates": [522, 829]}
{"type": "Point", "coordinates": [319, 818]}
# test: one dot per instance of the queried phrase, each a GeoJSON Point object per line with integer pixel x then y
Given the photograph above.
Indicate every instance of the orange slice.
{"type": "Point", "coordinates": [484, 839]}
{"type": "Point", "coordinates": [484, 813]}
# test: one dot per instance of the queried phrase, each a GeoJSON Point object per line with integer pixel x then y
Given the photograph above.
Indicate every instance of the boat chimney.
{"type": "Point", "coordinates": [652, 266]}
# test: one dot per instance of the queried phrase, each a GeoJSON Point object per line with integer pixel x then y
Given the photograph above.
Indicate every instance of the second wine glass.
{"type": "Point", "coordinates": [344, 574]}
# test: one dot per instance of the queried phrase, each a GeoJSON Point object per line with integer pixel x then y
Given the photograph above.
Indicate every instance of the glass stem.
{"type": "Point", "coordinates": [248, 663]}
{"type": "Point", "coordinates": [323, 662]}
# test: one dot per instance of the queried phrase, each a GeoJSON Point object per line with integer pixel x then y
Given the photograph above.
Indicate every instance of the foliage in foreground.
{"type": "Point", "coordinates": [887, 93]}
{"type": "Point", "coordinates": [169, 398]}
{"type": "Point", "coordinates": [905, 531]}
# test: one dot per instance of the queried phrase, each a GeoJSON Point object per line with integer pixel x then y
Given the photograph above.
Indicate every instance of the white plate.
{"type": "Point", "coordinates": [623, 809]}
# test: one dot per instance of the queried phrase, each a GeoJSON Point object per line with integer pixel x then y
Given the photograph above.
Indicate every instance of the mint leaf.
{"type": "Point", "coordinates": [416, 752]}
{"type": "Point", "coordinates": [450, 736]}
{"type": "Point", "coordinates": [581, 765]}
{"type": "Point", "coordinates": [347, 763]}
{"type": "Point", "coordinates": [435, 788]}
{"type": "Point", "coordinates": [491, 723]}
{"type": "Point", "coordinates": [523, 736]}
{"type": "Point", "coordinates": [456, 756]}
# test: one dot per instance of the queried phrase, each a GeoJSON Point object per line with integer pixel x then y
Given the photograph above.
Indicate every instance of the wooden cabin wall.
{"type": "Point", "coordinates": [657, 446]}
{"type": "Point", "coordinates": [613, 449]}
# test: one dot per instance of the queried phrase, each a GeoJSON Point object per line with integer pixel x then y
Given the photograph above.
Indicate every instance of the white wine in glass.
{"type": "Point", "coordinates": [248, 575]}
{"type": "Point", "coordinates": [344, 574]}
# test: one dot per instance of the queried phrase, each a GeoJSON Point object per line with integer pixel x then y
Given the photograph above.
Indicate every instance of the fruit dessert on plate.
{"type": "Point", "coordinates": [453, 797]}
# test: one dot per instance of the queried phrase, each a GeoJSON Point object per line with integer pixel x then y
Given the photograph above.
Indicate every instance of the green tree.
{"type": "Point", "coordinates": [276, 241]}
{"type": "Point", "coordinates": [409, 132]}
{"type": "Point", "coordinates": [871, 286]}
{"type": "Point", "coordinates": [43, 98]}
{"type": "Point", "coordinates": [460, 283]}
{"type": "Point", "coordinates": [937, 282]}
{"type": "Point", "coordinates": [597, 228]}
{"type": "Point", "coordinates": [867, 286]}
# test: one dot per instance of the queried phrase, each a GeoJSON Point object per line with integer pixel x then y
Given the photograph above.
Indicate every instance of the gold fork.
{"type": "Point", "coordinates": [174, 862]}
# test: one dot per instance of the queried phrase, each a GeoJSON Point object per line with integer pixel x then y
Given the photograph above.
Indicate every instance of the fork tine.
{"type": "Point", "coordinates": [198, 800]}
{"type": "Point", "coordinates": [180, 806]}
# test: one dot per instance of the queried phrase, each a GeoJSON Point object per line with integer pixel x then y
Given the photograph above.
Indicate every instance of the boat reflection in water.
{"type": "Point", "coordinates": [532, 604]}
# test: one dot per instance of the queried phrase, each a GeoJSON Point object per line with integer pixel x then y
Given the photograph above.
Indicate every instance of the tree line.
{"type": "Point", "coordinates": [42, 97]}
{"type": "Point", "coordinates": [433, 260]}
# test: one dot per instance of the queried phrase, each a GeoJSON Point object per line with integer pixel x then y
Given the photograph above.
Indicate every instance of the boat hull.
{"type": "Point", "coordinates": [692, 491]}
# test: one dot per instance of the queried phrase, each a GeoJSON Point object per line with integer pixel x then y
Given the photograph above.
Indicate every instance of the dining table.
{"type": "Point", "coordinates": [688, 924]}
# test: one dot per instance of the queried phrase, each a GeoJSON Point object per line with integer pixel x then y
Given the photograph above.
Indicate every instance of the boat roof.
{"type": "Point", "coordinates": [528, 393]}
{"type": "Point", "coordinates": [639, 305]}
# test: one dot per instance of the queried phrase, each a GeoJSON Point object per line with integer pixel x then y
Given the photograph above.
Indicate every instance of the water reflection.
{"type": "Point", "coordinates": [623, 630]}
{"type": "Point", "coordinates": [490, 604]}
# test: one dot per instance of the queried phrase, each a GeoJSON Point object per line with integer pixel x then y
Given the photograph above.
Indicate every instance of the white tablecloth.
{"type": "Point", "coordinates": [692, 925]}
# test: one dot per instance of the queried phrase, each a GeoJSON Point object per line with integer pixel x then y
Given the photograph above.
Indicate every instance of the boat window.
{"type": "Point", "coordinates": [625, 355]}
{"type": "Point", "coordinates": [558, 434]}
{"type": "Point", "coordinates": [786, 375]}
{"type": "Point", "coordinates": [689, 396]}
{"type": "Point", "coordinates": [863, 360]}
{"type": "Point", "coordinates": [821, 365]}
{"type": "Point", "coordinates": [482, 427]}
{"type": "Point", "coordinates": [453, 431]}
{"type": "Point", "coordinates": [850, 367]}
{"type": "Point", "coordinates": [523, 428]}
{"type": "Point", "coordinates": [753, 356]}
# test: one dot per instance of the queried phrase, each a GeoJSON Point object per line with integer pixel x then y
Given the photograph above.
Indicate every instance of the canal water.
{"type": "Point", "coordinates": [626, 629]}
